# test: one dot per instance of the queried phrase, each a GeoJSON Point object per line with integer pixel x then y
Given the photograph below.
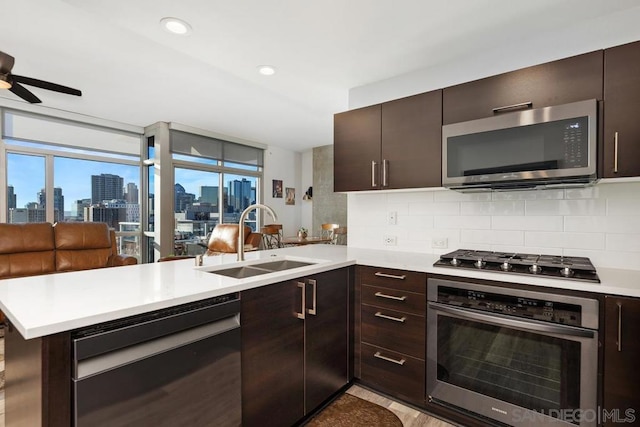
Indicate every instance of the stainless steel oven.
{"type": "Point", "coordinates": [516, 356]}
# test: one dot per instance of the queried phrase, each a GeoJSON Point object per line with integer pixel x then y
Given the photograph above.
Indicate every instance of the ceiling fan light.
{"type": "Point", "coordinates": [176, 26]}
{"type": "Point", "coordinates": [5, 83]}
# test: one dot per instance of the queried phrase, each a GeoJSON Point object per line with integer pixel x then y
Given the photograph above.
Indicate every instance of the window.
{"type": "Point", "coordinates": [26, 189]}
{"type": "Point", "coordinates": [214, 181]}
{"type": "Point", "coordinates": [60, 171]}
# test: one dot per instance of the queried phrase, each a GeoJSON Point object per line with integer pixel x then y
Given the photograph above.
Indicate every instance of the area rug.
{"type": "Point", "coordinates": [351, 411]}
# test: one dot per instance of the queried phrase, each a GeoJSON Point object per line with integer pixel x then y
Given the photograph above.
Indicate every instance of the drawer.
{"type": "Point", "coordinates": [394, 373]}
{"type": "Point", "coordinates": [394, 299]}
{"type": "Point", "coordinates": [410, 281]}
{"type": "Point", "coordinates": [395, 330]}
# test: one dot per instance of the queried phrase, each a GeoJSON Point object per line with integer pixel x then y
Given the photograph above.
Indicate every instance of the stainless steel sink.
{"type": "Point", "coordinates": [261, 268]}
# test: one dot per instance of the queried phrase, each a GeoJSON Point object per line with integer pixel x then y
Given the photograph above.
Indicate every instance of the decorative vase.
{"type": "Point", "coordinates": [302, 235]}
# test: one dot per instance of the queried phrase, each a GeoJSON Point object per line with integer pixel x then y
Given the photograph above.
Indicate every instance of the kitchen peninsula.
{"type": "Point", "coordinates": [43, 310]}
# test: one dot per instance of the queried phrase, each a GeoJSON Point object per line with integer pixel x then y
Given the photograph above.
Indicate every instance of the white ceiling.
{"type": "Point", "coordinates": [132, 71]}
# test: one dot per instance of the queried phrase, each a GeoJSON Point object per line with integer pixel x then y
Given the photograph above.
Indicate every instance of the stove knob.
{"type": "Point", "coordinates": [566, 271]}
{"type": "Point", "coordinates": [505, 266]}
{"type": "Point", "coordinates": [535, 269]}
{"type": "Point", "coordinates": [455, 262]}
{"type": "Point", "coordinates": [479, 263]}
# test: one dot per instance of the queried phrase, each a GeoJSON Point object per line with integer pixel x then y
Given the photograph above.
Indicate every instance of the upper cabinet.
{"type": "Point", "coordinates": [392, 145]}
{"type": "Point", "coordinates": [621, 145]}
{"type": "Point", "coordinates": [568, 80]}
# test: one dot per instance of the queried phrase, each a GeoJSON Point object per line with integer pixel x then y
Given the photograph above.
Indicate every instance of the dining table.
{"type": "Point", "coordinates": [309, 240]}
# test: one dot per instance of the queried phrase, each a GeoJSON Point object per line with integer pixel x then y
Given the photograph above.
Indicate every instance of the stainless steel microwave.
{"type": "Point", "coordinates": [525, 149]}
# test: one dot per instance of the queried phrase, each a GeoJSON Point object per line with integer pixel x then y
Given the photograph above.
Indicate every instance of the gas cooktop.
{"type": "Point", "coordinates": [553, 266]}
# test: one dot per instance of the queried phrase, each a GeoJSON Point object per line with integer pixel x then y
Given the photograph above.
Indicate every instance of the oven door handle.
{"type": "Point", "coordinates": [502, 320]}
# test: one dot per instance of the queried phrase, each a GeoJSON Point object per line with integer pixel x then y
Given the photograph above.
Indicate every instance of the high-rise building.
{"type": "Point", "coordinates": [240, 194]}
{"type": "Point", "coordinates": [131, 194]}
{"type": "Point", "coordinates": [79, 206]}
{"type": "Point", "coordinates": [182, 199]}
{"type": "Point", "coordinates": [11, 197]}
{"type": "Point", "coordinates": [58, 203]}
{"type": "Point", "coordinates": [209, 194]}
{"type": "Point", "coordinates": [112, 213]}
{"type": "Point", "coordinates": [106, 187]}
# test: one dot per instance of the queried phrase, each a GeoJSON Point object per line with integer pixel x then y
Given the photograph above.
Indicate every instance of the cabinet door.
{"type": "Point", "coordinates": [412, 141]}
{"type": "Point", "coordinates": [356, 149]}
{"type": "Point", "coordinates": [559, 82]}
{"type": "Point", "coordinates": [621, 349]}
{"type": "Point", "coordinates": [621, 106]}
{"type": "Point", "coordinates": [272, 355]}
{"type": "Point", "coordinates": [326, 336]}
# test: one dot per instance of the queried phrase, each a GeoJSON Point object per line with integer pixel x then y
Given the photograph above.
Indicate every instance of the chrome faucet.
{"type": "Point", "coordinates": [243, 215]}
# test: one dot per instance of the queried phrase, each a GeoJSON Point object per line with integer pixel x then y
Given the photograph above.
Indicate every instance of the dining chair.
{"type": "Point", "coordinates": [272, 236]}
{"type": "Point", "coordinates": [327, 231]}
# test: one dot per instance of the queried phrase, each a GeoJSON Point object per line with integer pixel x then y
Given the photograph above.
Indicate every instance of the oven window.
{"type": "Point", "coordinates": [529, 370]}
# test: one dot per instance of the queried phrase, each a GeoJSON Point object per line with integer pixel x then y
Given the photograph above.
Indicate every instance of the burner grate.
{"type": "Point", "coordinates": [554, 266]}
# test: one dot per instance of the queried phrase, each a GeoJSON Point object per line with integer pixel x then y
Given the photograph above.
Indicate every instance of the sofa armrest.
{"type": "Point", "coordinates": [119, 260]}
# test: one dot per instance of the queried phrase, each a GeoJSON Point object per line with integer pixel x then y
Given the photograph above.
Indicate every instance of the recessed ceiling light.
{"type": "Point", "coordinates": [176, 26]}
{"type": "Point", "coordinates": [266, 70]}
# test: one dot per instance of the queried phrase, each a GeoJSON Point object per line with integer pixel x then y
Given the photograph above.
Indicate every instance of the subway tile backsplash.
{"type": "Point", "coordinates": [601, 222]}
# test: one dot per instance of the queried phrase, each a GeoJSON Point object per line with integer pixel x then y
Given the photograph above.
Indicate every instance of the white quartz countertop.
{"type": "Point", "coordinates": [49, 304]}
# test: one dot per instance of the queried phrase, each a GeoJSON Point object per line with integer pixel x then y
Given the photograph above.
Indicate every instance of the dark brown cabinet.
{"type": "Point", "coordinates": [621, 145]}
{"type": "Point", "coordinates": [294, 347]}
{"type": "Point", "coordinates": [621, 349]}
{"type": "Point", "coordinates": [567, 80]}
{"type": "Point", "coordinates": [390, 321]}
{"type": "Point", "coordinates": [392, 145]}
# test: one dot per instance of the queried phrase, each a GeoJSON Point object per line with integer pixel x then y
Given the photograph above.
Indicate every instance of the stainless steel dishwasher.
{"type": "Point", "coordinates": [174, 367]}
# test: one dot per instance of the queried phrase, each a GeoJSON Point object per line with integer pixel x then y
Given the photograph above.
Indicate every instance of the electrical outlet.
{"type": "Point", "coordinates": [389, 240]}
{"type": "Point", "coordinates": [439, 243]}
{"type": "Point", "coordinates": [392, 218]}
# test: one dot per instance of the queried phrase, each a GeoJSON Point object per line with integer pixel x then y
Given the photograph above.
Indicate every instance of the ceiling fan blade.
{"type": "Point", "coordinates": [24, 93]}
{"type": "Point", "coordinates": [6, 63]}
{"type": "Point", "coordinates": [46, 85]}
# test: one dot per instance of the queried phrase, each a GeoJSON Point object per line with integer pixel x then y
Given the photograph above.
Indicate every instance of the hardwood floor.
{"type": "Point", "coordinates": [410, 417]}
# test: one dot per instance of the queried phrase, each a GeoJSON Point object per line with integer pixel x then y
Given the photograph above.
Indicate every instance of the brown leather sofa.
{"type": "Point", "coordinates": [41, 248]}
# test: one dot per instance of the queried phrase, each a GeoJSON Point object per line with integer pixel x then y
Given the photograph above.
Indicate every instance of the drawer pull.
{"type": "Point", "coordinates": [381, 295]}
{"type": "Point", "coordinates": [395, 319]}
{"type": "Point", "coordinates": [615, 152]}
{"type": "Point", "coordinates": [390, 276]}
{"type": "Point", "coordinates": [619, 343]}
{"type": "Point", "coordinates": [389, 359]}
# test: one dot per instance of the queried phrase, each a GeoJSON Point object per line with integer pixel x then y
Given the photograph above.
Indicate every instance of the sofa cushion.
{"type": "Point", "coordinates": [26, 250]}
{"type": "Point", "coordinates": [82, 245]}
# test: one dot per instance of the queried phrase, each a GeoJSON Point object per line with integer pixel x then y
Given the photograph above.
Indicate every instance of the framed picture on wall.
{"type": "Point", "coordinates": [277, 189]}
{"type": "Point", "coordinates": [290, 196]}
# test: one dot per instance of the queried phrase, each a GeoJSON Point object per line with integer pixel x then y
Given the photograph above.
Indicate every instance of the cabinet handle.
{"type": "Point", "coordinates": [390, 276]}
{"type": "Point", "coordinates": [381, 295]}
{"type": "Point", "coordinates": [313, 310]}
{"type": "Point", "coordinates": [389, 359]}
{"type": "Point", "coordinates": [615, 152]}
{"type": "Point", "coordinates": [300, 315]}
{"type": "Point", "coordinates": [373, 173]}
{"type": "Point", "coordinates": [619, 326]}
{"type": "Point", "coordinates": [384, 173]}
{"type": "Point", "coordinates": [395, 319]}
{"type": "Point", "coordinates": [521, 106]}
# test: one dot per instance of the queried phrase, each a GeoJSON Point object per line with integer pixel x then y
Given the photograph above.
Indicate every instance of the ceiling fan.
{"type": "Point", "coordinates": [12, 82]}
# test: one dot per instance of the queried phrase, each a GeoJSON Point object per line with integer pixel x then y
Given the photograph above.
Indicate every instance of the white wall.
{"type": "Point", "coordinates": [600, 222]}
{"type": "Point", "coordinates": [285, 165]}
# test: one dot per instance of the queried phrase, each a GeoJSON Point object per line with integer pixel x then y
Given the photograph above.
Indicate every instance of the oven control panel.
{"type": "Point", "coordinates": [529, 308]}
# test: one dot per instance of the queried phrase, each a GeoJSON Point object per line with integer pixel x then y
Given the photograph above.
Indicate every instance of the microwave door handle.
{"type": "Point", "coordinates": [501, 320]}
{"type": "Point", "coordinates": [506, 108]}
